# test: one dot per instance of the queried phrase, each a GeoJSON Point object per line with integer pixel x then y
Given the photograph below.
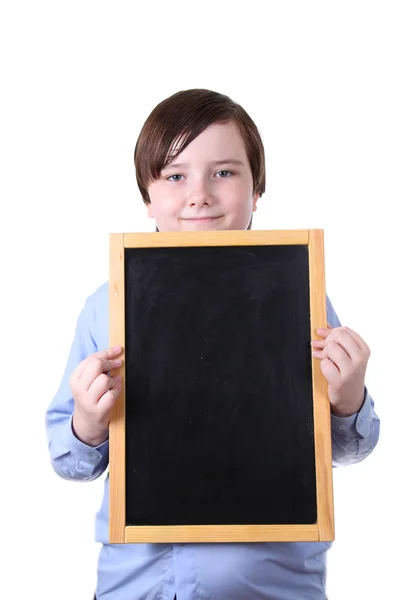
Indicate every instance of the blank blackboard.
{"type": "Point", "coordinates": [218, 416]}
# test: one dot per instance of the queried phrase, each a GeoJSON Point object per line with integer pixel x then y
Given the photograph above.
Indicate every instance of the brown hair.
{"type": "Point", "coordinates": [181, 118]}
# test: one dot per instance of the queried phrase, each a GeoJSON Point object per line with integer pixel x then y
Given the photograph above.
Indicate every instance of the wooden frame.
{"type": "Point", "coordinates": [323, 529]}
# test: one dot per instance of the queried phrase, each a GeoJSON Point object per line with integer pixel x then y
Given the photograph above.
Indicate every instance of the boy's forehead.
{"type": "Point", "coordinates": [217, 138]}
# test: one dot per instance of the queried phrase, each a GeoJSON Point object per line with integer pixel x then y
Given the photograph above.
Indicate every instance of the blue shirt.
{"type": "Point", "coordinates": [230, 571]}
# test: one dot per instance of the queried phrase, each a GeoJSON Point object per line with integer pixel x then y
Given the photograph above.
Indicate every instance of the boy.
{"type": "Point", "coordinates": [200, 166]}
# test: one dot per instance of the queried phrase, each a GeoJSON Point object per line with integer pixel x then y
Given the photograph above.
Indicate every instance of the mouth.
{"type": "Point", "coordinates": [202, 219]}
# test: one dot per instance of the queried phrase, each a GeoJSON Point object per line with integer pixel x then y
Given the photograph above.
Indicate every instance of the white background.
{"type": "Point", "coordinates": [321, 81]}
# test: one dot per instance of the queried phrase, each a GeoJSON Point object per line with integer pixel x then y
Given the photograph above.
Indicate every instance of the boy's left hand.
{"type": "Point", "coordinates": [344, 356]}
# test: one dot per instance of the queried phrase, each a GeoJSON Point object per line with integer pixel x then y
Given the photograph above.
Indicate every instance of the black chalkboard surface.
{"type": "Point", "coordinates": [219, 424]}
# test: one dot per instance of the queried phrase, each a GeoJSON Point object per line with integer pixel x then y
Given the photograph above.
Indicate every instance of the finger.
{"type": "Point", "coordinates": [318, 343]}
{"type": "Point", "coordinates": [107, 400]}
{"type": "Point", "coordinates": [343, 337]}
{"type": "Point", "coordinates": [330, 371]}
{"type": "Point", "coordinates": [358, 339]}
{"type": "Point", "coordinates": [95, 366]}
{"type": "Point", "coordinates": [347, 341]}
{"type": "Point", "coordinates": [108, 354]}
{"type": "Point", "coordinates": [323, 332]}
{"type": "Point", "coordinates": [100, 386]}
{"type": "Point", "coordinates": [337, 355]}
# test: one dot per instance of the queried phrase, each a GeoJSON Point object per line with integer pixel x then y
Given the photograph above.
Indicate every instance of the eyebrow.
{"type": "Point", "coordinates": [230, 161]}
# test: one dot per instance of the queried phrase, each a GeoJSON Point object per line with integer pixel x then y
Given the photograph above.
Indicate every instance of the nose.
{"type": "Point", "coordinates": [199, 193]}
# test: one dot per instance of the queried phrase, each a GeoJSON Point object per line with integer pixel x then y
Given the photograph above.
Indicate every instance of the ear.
{"type": "Point", "coordinates": [150, 212]}
{"type": "Point", "coordinates": [255, 200]}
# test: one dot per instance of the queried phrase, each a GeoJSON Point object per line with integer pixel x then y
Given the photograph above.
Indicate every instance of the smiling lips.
{"type": "Point", "coordinates": [201, 219]}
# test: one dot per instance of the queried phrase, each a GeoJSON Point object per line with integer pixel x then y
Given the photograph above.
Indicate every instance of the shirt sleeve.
{"type": "Point", "coordinates": [71, 458]}
{"type": "Point", "coordinates": [353, 437]}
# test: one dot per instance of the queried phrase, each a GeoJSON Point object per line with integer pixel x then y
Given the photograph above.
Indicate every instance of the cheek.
{"type": "Point", "coordinates": [161, 197]}
{"type": "Point", "coordinates": [239, 199]}
{"type": "Point", "coordinates": [165, 204]}
{"type": "Point", "coordinates": [238, 192]}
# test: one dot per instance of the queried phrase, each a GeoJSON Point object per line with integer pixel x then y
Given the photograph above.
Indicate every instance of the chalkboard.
{"type": "Point", "coordinates": [216, 438]}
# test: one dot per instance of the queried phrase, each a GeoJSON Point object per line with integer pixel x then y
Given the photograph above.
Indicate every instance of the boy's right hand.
{"type": "Point", "coordinates": [95, 393]}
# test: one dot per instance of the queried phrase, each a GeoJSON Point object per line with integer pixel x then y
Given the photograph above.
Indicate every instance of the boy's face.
{"type": "Point", "coordinates": [203, 195]}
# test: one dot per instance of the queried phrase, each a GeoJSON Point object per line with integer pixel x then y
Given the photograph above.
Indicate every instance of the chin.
{"type": "Point", "coordinates": [187, 225]}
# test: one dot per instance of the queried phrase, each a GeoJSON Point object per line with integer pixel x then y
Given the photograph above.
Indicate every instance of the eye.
{"type": "Point", "coordinates": [176, 175]}
{"type": "Point", "coordinates": [226, 174]}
